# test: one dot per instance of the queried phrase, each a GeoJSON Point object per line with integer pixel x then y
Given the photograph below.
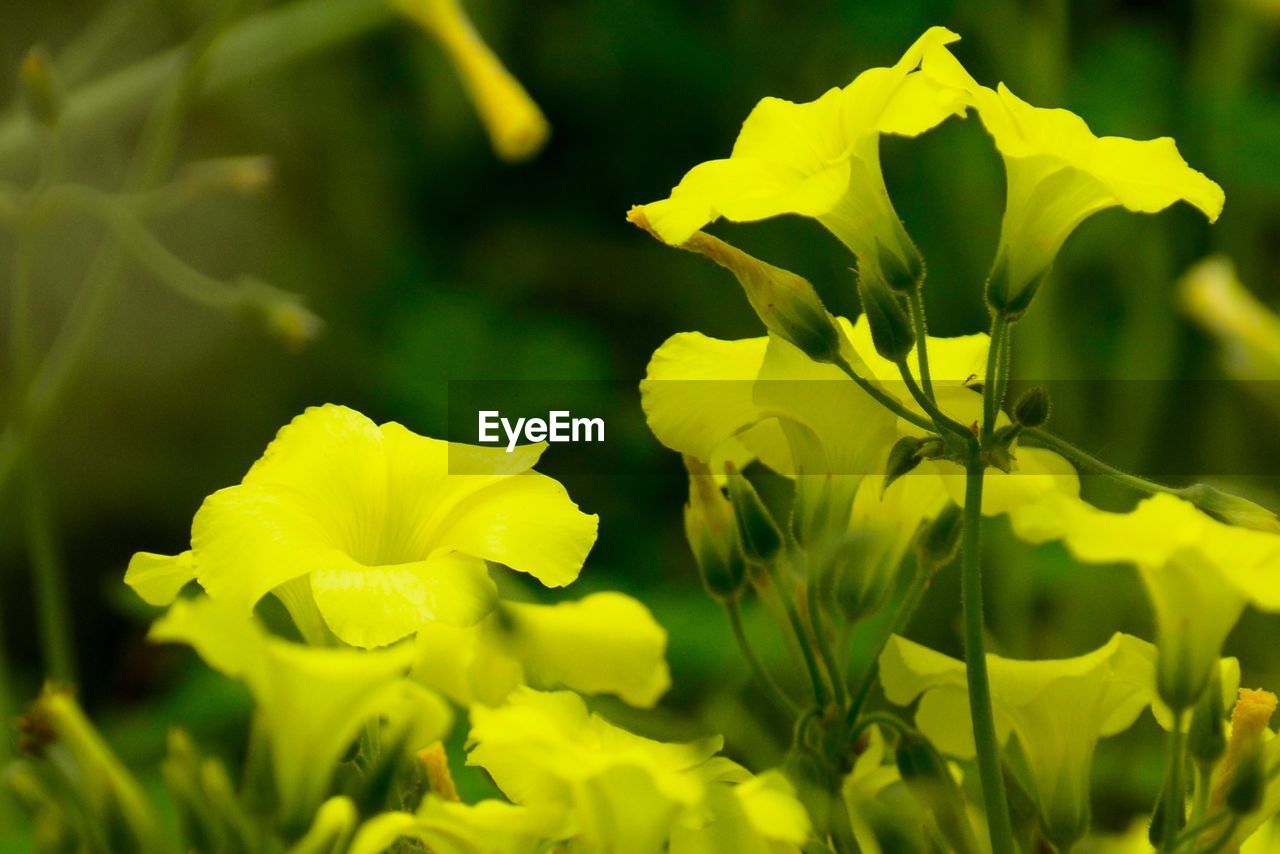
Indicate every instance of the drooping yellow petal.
{"type": "Point", "coordinates": [310, 702]}
{"type": "Point", "coordinates": [1247, 331]}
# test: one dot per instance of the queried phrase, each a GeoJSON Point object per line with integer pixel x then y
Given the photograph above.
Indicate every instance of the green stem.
{"type": "Point", "coordinates": [1175, 792]}
{"type": "Point", "coordinates": [990, 388]}
{"type": "Point", "coordinates": [797, 628]}
{"type": "Point", "coordinates": [1036, 437]}
{"type": "Point", "coordinates": [941, 421]}
{"type": "Point", "coordinates": [884, 399]}
{"type": "Point", "coordinates": [267, 41]}
{"type": "Point", "coordinates": [733, 609]}
{"type": "Point", "coordinates": [53, 614]}
{"type": "Point", "coordinates": [1191, 831]}
{"type": "Point", "coordinates": [822, 640]}
{"type": "Point", "coordinates": [915, 298]}
{"type": "Point", "coordinates": [906, 608]}
{"type": "Point", "coordinates": [984, 728]}
{"type": "Point", "coordinates": [842, 835]}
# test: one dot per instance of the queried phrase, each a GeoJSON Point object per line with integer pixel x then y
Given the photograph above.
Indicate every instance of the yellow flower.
{"type": "Point", "coordinates": [377, 527]}
{"type": "Point", "coordinates": [1247, 331]}
{"type": "Point", "coordinates": [622, 792]}
{"type": "Point", "coordinates": [736, 401]}
{"type": "Point", "coordinates": [448, 827]}
{"type": "Point", "coordinates": [1057, 711]}
{"type": "Point", "coordinates": [1199, 573]}
{"type": "Point", "coordinates": [310, 702]}
{"type": "Point", "coordinates": [758, 815]}
{"type": "Point", "coordinates": [821, 159]}
{"type": "Point", "coordinates": [1059, 174]}
{"type": "Point", "coordinates": [516, 126]}
{"type": "Point", "coordinates": [606, 643]}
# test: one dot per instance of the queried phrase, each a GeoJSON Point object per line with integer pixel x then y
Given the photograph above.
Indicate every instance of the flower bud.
{"type": "Point", "coordinates": [1007, 296]}
{"type": "Point", "coordinates": [1032, 409]}
{"type": "Point", "coordinates": [927, 777]}
{"type": "Point", "coordinates": [786, 303]}
{"type": "Point", "coordinates": [41, 89]}
{"type": "Point", "coordinates": [1238, 782]}
{"type": "Point", "coordinates": [712, 533]}
{"type": "Point", "coordinates": [1206, 737]}
{"type": "Point", "coordinates": [1232, 509]}
{"type": "Point", "coordinates": [1248, 783]}
{"type": "Point", "coordinates": [890, 326]}
{"type": "Point", "coordinates": [759, 534]}
{"type": "Point", "coordinates": [939, 540]}
{"type": "Point", "coordinates": [902, 275]}
{"type": "Point", "coordinates": [280, 312]}
{"type": "Point", "coordinates": [904, 456]}
{"type": "Point", "coordinates": [821, 508]}
{"type": "Point", "coordinates": [860, 578]}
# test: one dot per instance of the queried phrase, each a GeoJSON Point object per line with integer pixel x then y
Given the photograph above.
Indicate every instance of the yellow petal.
{"type": "Point", "coordinates": [159, 578]}
{"type": "Point", "coordinates": [607, 643]}
{"type": "Point", "coordinates": [374, 606]}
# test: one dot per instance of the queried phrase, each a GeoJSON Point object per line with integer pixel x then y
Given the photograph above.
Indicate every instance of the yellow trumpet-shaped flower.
{"type": "Point", "coordinates": [1198, 572]}
{"type": "Point", "coordinates": [1247, 331]}
{"type": "Point", "coordinates": [310, 702]}
{"type": "Point", "coordinates": [821, 159]}
{"type": "Point", "coordinates": [1059, 174]}
{"type": "Point", "coordinates": [606, 643]}
{"type": "Point", "coordinates": [1056, 710]}
{"type": "Point", "coordinates": [517, 127]}
{"type": "Point", "coordinates": [379, 531]}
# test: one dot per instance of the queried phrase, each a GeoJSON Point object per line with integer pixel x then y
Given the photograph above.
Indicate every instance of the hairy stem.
{"type": "Point", "coordinates": [733, 609]}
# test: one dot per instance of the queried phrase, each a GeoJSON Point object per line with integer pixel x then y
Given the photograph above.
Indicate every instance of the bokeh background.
{"type": "Point", "coordinates": [430, 260]}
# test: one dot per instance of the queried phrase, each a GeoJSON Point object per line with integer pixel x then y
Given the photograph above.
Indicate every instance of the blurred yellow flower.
{"type": "Point", "coordinates": [1198, 572]}
{"type": "Point", "coordinates": [821, 159]}
{"type": "Point", "coordinates": [382, 535]}
{"type": "Point", "coordinates": [1059, 174]}
{"type": "Point", "coordinates": [621, 792]}
{"type": "Point", "coordinates": [1248, 332]}
{"type": "Point", "coordinates": [310, 702]}
{"type": "Point", "coordinates": [449, 827]}
{"type": "Point", "coordinates": [516, 126]}
{"type": "Point", "coordinates": [1056, 710]}
{"type": "Point", "coordinates": [606, 643]}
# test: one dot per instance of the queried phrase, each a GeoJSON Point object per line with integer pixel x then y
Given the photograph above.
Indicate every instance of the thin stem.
{"type": "Point", "coordinates": [990, 387]}
{"type": "Point", "coordinates": [797, 627]}
{"type": "Point", "coordinates": [256, 46]}
{"type": "Point", "coordinates": [53, 614]}
{"type": "Point", "coordinates": [1189, 833]}
{"type": "Point", "coordinates": [941, 420]}
{"type": "Point", "coordinates": [835, 674]}
{"type": "Point", "coordinates": [915, 298]}
{"type": "Point", "coordinates": [733, 608]}
{"type": "Point", "coordinates": [842, 835]}
{"type": "Point", "coordinates": [884, 399]}
{"type": "Point", "coordinates": [1037, 437]}
{"type": "Point", "coordinates": [906, 608]}
{"type": "Point", "coordinates": [1175, 791]}
{"type": "Point", "coordinates": [984, 728]}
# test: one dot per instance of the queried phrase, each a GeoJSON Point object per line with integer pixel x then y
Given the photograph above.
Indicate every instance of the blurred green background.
{"type": "Point", "coordinates": [429, 260]}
